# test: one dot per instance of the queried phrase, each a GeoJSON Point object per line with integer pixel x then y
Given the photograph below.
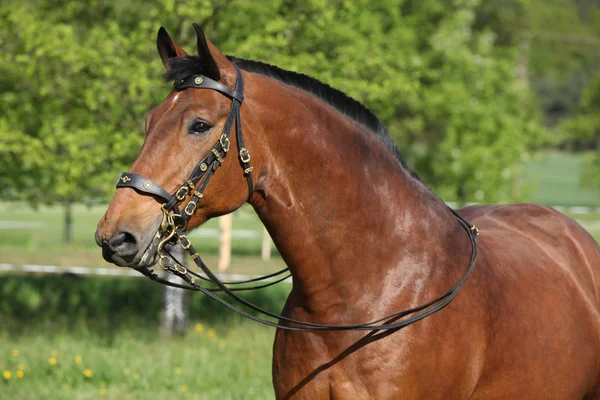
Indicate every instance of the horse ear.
{"type": "Point", "coordinates": [167, 47]}
{"type": "Point", "coordinates": [210, 67]}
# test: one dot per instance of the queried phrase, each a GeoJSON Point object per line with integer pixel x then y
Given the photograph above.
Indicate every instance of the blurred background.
{"type": "Point", "coordinates": [489, 101]}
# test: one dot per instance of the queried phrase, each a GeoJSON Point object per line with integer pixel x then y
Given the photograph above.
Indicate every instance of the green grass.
{"type": "Point", "coordinates": [554, 179]}
{"type": "Point", "coordinates": [42, 241]}
{"type": "Point", "coordinates": [211, 362]}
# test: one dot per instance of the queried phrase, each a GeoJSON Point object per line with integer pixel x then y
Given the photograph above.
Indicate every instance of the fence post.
{"type": "Point", "coordinates": [174, 316]}
{"type": "Point", "coordinates": [224, 242]}
{"type": "Point", "coordinates": [265, 251]}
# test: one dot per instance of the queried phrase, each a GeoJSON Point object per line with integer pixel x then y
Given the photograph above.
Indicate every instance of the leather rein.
{"type": "Point", "coordinates": [174, 220]}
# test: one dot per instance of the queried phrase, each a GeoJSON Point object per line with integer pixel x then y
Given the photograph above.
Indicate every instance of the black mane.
{"type": "Point", "coordinates": [183, 67]}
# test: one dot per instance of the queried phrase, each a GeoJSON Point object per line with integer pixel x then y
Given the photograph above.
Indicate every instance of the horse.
{"type": "Point", "coordinates": [363, 237]}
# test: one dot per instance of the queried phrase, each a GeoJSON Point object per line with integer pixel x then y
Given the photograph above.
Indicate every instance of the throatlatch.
{"type": "Point", "coordinates": [174, 221]}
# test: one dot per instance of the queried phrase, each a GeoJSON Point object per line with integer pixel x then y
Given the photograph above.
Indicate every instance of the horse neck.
{"type": "Point", "coordinates": [345, 215]}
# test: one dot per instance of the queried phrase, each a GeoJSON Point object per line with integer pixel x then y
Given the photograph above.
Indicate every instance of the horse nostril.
{"type": "Point", "coordinates": [123, 243]}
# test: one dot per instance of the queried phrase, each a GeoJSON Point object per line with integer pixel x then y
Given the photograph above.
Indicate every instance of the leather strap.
{"type": "Point", "coordinates": [143, 185]}
{"type": "Point", "coordinates": [204, 82]}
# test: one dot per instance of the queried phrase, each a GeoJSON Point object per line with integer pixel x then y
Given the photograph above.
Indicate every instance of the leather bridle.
{"type": "Point", "coordinates": [172, 228]}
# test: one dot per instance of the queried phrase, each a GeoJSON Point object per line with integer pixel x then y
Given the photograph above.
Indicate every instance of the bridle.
{"type": "Point", "coordinates": [172, 228]}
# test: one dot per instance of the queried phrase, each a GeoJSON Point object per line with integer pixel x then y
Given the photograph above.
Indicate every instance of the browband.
{"type": "Point", "coordinates": [204, 82]}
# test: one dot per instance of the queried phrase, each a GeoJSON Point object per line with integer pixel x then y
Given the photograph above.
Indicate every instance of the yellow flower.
{"type": "Point", "coordinates": [136, 376]}
{"type": "Point", "coordinates": [7, 375]}
{"type": "Point", "coordinates": [103, 391]}
{"type": "Point", "coordinates": [177, 370]}
{"type": "Point", "coordinates": [88, 373]}
{"type": "Point", "coordinates": [52, 361]}
{"type": "Point", "coordinates": [54, 353]}
{"type": "Point", "coordinates": [126, 371]}
{"type": "Point", "coordinates": [184, 388]}
{"type": "Point", "coordinates": [199, 328]}
{"type": "Point", "coordinates": [20, 373]}
{"type": "Point", "coordinates": [77, 359]}
{"type": "Point", "coordinates": [15, 352]}
{"type": "Point", "coordinates": [211, 333]}
{"type": "Point", "coordinates": [21, 366]}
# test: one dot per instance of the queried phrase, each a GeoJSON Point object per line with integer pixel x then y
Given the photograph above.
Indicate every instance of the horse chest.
{"type": "Point", "coordinates": [306, 367]}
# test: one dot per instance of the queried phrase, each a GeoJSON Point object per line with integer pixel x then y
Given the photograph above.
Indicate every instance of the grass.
{"type": "Point", "coordinates": [35, 237]}
{"type": "Point", "coordinates": [554, 179]}
{"type": "Point", "coordinates": [210, 362]}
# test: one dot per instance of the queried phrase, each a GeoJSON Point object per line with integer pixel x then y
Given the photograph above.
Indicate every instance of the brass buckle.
{"type": "Point", "coordinates": [182, 193]}
{"type": "Point", "coordinates": [474, 229]}
{"type": "Point", "coordinates": [190, 210]}
{"type": "Point", "coordinates": [224, 141]}
{"type": "Point", "coordinates": [187, 243]}
{"type": "Point", "coordinates": [244, 155]}
{"type": "Point", "coordinates": [180, 268]}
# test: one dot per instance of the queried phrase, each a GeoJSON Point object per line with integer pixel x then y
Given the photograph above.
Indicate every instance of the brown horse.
{"type": "Point", "coordinates": [364, 237]}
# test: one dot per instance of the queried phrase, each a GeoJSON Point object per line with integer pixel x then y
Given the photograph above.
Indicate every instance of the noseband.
{"type": "Point", "coordinates": [171, 228]}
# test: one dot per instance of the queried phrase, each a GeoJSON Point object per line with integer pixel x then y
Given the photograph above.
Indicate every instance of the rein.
{"type": "Point", "coordinates": [173, 223]}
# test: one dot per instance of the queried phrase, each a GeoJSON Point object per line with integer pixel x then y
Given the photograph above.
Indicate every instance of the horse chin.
{"type": "Point", "coordinates": [149, 256]}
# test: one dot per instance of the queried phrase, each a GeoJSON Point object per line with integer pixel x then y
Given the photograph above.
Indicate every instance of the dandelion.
{"type": "Point", "coordinates": [21, 367]}
{"type": "Point", "coordinates": [7, 375]}
{"type": "Point", "coordinates": [20, 374]}
{"type": "Point", "coordinates": [126, 371]}
{"type": "Point", "coordinates": [177, 370]}
{"type": "Point", "coordinates": [211, 333]}
{"type": "Point", "coordinates": [184, 388]}
{"type": "Point", "coordinates": [136, 376]}
{"type": "Point", "coordinates": [88, 373]}
{"type": "Point", "coordinates": [199, 328]}
{"type": "Point", "coordinates": [52, 361]}
{"type": "Point", "coordinates": [15, 352]}
{"type": "Point", "coordinates": [77, 359]}
{"type": "Point", "coordinates": [103, 391]}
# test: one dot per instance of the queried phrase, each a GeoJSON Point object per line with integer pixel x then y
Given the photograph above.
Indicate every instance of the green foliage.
{"type": "Point", "coordinates": [31, 299]}
{"type": "Point", "coordinates": [584, 127]}
{"type": "Point", "coordinates": [563, 43]}
{"type": "Point", "coordinates": [440, 74]}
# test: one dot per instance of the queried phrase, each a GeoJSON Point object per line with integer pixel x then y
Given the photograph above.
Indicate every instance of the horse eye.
{"type": "Point", "coordinates": [199, 127]}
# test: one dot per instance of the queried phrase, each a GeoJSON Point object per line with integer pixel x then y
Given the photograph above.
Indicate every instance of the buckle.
{"type": "Point", "coordinates": [190, 208]}
{"type": "Point", "coordinates": [182, 193]}
{"type": "Point", "coordinates": [224, 141]}
{"type": "Point", "coordinates": [244, 155]}
{"type": "Point", "coordinates": [185, 242]}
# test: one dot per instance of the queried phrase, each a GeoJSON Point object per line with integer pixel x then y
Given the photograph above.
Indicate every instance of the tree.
{"type": "Point", "coordinates": [584, 128]}
{"type": "Point", "coordinates": [70, 100]}
{"type": "Point", "coordinates": [440, 74]}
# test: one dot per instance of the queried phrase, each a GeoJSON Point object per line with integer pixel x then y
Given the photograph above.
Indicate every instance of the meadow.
{"type": "Point", "coordinates": [60, 361]}
{"type": "Point", "coordinates": [66, 337]}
